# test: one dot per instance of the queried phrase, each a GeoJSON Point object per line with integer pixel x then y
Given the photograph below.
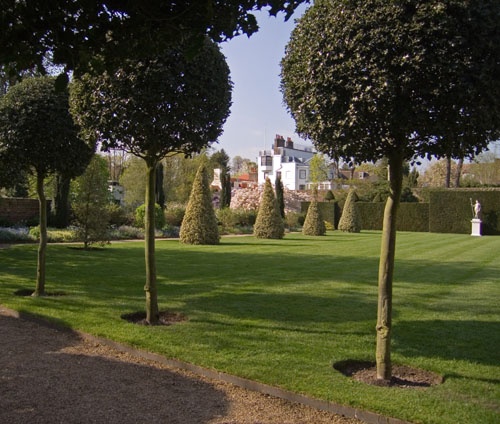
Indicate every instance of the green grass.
{"type": "Point", "coordinates": [283, 311]}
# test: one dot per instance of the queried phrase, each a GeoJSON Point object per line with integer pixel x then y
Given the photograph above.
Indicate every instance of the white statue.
{"type": "Point", "coordinates": [477, 209]}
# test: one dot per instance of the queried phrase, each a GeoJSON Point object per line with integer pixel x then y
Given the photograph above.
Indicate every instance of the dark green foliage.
{"type": "Point", "coordinates": [280, 195]}
{"type": "Point", "coordinates": [314, 225]}
{"type": "Point", "coordinates": [100, 34]}
{"type": "Point", "coordinates": [450, 210]}
{"type": "Point", "coordinates": [329, 196]}
{"type": "Point", "coordinates": [225, 194]}
{"type": "Point", "coordinates": [269, 224]}
{"type": "Point", "coordinates": [220, 160]}
{"type": "Point", "coordinates": [407, 195]}
{"type": "Point", "coordinates": [37, 132]}
{"type": "Point", "coordinates": [60, 206]}
{"type": "Point", "coordinates": [199, 225]}
{"type": "Point", "coordinates": [140, 216]}
{"type": "Point", "coordinates": [350, 221]}
{"type": "Point", "coordinates": [90, 203]}
{"type": "Point", "coordinates": [411, 216]}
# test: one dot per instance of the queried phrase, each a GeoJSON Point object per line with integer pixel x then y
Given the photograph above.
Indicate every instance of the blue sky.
{"type": "Point", "coordinates": [257, 113]}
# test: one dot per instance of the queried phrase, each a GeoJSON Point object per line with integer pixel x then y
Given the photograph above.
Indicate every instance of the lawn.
{"type": "Point", "coordinates": [284, 311]}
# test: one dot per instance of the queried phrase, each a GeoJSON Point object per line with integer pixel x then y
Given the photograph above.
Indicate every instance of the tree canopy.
{"type": "Point", "coordinates": [85, 34]}
{"type": "Point", "coordinates": [364, 78]}
{"type": "Point", "coordinates": [159, 106]}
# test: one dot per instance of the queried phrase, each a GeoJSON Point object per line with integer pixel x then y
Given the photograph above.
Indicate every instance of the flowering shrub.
{"type": "Point", "coordinates": [249, 199]}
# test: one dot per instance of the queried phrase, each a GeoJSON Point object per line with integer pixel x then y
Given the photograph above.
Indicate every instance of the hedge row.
{"type": "Point", "coordinates": [450, 211]}
{"type": "Point", "coordinates": [411, 216]}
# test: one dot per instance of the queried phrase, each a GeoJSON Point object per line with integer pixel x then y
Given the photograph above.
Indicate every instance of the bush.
{"type": "Point", "coordinates": [199, 225]}
{"type": "Point", "coordinates": [140, 213]}
{"type": "Point", "coordinates": [294, 220]}
{"type": "Point", "coordinates": [170, 231]}
{"type": "Point", "coordinates": [269, 224]}
{"type": "Point", "coordinates": [174, 214]}
{"type": "Point", "coordinates": [350, 220]}
{"type": "Point", "coordinates": [314, 224]}
{"type": "Point", "coordinates": [55, 235]}
{"type": "Point", "coordinates": [13, 235]}
{"type": "Point", "coordinates": [127, 232]}
{"type": "Point", "coordinates": [118, 216]}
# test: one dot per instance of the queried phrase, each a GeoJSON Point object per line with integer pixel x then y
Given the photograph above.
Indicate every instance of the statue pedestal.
{"type": "Point", "coordinates": [476, 227]}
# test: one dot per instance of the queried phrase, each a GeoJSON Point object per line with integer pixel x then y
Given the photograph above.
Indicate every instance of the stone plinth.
{"type": "Point", "coordinates": [476, 227]}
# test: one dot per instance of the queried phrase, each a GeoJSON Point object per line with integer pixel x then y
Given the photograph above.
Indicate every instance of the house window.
{"type": "Point", "coordinates": [266, 160]}
{"type": "Point", "coordinates": [302, 174]}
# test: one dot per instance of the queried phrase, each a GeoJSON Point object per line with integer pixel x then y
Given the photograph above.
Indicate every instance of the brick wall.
{"type": "Point", "coordinates": [17, 211]}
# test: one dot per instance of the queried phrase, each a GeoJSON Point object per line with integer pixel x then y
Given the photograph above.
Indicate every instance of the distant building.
{"type": "Point", "coordinates": [287, 159]}
{"type": "Point", "coordinates": [117, 192]}
{"type": "Point", "coordinates": [291, 161]}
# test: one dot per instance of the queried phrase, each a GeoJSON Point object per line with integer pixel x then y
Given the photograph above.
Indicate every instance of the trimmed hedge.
{"type": "Point", "coordinates": [412, 217]}
{"type": "Point", "coordinates": [450, 210]}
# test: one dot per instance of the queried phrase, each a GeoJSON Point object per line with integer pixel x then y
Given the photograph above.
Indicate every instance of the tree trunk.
{"type": "Point", "coordinates": [61, 201]}
{"type": "Point", "coordinates": [152, 315]}
{"type": "Point", "coordinates": [458, 175]}
{"type": "Point", "coordinates": [447, 178]}
{"type": "Point", "coordinates": [42, 246]}
{"type": "Point", "coordinates": [386, 270]}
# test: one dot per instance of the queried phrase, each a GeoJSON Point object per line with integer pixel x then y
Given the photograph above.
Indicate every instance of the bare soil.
{"type": "Point", "coordinates": [48, 375]}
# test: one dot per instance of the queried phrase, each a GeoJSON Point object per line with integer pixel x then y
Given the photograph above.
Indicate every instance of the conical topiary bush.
{"type": "Point", "coordinates": [269, 224]}
{"type": "Point", "coordinates": [199, 225]}
{"type": "Point", "coordinates": [314, 225]}
{"type": "Point", "coordinates": [350, 221]}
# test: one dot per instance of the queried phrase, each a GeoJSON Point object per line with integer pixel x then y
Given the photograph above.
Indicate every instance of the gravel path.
{"type": "Point", "coordinates": [53, 376]}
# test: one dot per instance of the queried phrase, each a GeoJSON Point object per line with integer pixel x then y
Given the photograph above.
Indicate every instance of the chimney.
{"type": "Point", "coordinates": [279, 141]}
{"type": "Point", "coordinates": [289, 143]}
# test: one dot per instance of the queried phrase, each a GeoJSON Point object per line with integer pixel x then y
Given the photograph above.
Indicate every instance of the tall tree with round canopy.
{"type": "Point", "coordinates": [167, 105]}
{"type": "Point", "coordinates": [367, 79]}
{"type": "Point", "coordinates": [37, 134]}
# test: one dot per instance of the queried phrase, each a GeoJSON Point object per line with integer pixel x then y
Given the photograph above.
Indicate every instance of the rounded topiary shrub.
{"type": "Point", "coordinates": [269, 223]}
{"type": "Point", "coordinates": [199, 225]}
{"type": "Point", "coordinates": [140, 213]}
{"type": "Point", "coordinates": [350, 220]}
{"type": "Point", "coordinates": [314, 225]}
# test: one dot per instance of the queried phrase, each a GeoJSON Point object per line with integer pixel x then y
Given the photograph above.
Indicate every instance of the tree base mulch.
{"type": "Point", "coordinates": [165, 318]}
{"type": "Point", "coordinates": [29, 292]}
{"type": "Point", "coordinates": [403, 376]}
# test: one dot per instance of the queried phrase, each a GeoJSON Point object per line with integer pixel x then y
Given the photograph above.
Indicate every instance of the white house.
{"type": "Point", "coordinates": [288, 159]}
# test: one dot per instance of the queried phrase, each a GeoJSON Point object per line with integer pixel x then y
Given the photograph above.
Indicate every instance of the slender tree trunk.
{"type": "Point", "coordinates": [386, 270]}
{"type": "Point", "coordinates": [447, 178]}
{"type": "Point", "coordinates": [42, 246]}
{"type": "Point", "coordinates": [458, 175]}
{"type": "Point", "coordinates": [152, 315]}
{"type": "Point", "coordinates": [61, 201]}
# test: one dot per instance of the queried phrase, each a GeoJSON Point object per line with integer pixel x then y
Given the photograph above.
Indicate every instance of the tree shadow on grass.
{"type": "Point", "coordinates": [44, 379]}
{"type": "Point", "coordinates": [468, 340]}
